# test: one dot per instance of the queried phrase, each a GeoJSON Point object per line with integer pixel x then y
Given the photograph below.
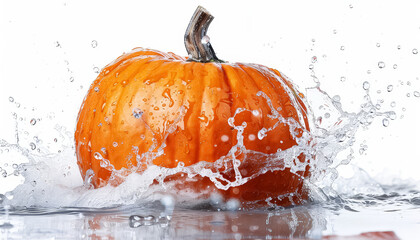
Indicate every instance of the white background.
{"type": "Point", "coordinates": [44, 44]}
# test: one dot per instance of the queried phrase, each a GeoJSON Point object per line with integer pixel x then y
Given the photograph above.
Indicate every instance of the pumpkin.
{"type": "Point", "coordinates": [155, 108]}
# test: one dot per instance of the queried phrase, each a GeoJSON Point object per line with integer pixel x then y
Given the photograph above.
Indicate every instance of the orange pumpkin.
{"type": "Point", "coordinates": [154, 108]}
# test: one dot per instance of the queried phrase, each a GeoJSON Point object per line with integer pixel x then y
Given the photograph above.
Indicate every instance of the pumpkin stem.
{"type": "Point", "coordinates": [196, 41]}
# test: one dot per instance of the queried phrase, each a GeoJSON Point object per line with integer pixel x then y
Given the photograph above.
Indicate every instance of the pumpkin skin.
{"type": "Point", "coordinates": [147, 98]}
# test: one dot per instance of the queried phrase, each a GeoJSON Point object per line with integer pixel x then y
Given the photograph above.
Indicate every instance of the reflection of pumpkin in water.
{"type": "Point", "coordinates": [147, 101]}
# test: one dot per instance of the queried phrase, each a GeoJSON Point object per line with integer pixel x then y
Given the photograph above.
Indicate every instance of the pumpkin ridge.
{"type": "Point", "coordinates": [261, 123]}
{"type": "Point", "coordinates": [231, 99]}
{"type": "Point", "coordinates": [119, 107]}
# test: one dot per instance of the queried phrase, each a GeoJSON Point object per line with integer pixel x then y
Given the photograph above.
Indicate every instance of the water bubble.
{"type": "Point", "coordinates": [136, 221]}
{"type": "Point", "coordinates": [11, 99]}
{"type": "Point", "coordinates": [408, 94]}
{"type": "Point", "coordinates": [393, 104]}
{"type": "Point", "coordinates": [392, 115]}
{"type": "Point", "coordinates": [381, 64]}
{"type": "Point", "coordinates": [95, 69]}
{"type": "Point", "coordinates": [342, 48]}
{"type": "Point", "coordinates": [385, 122]}
{"type": "Point", "coordinates": [416, 94]}
{"type": "Point", "coordinates": [224, 138]}
{"type": "Point", "coordinates": [18, 105]}
{"type": "Point", "coordinates": [233, 204]}
{"type": "Point", "coordinates": [168, 202]}
{"type": "Point", "coordinates": [14, 166]}
{"type": "Point", "coordinates": [137, 113]}
{"type": "Point", "coordinates": [378, 44]}
{"type": "Point", "coordinates": [255, 112]}
{"type": "Point", "coordinates": [336, 98]}
{"type": "Point", "coordinates": [415, 51]}
{"type": "Point", "coordinates": [4, 173]}
{"type": "Point", "coordinates": [94, 43]}
{"type": "Point", "coordinates": [343, 79]}
{"type": "Point", "coordinates": [395, 66]}
{"type": "Point", "coordinates": [366, 85]}
{"type": "Point", "coordinates": [389, 88]}
{"type": "Point", "coordinates": [115, 144]}
{"type": "Point", "coordinates": [96, 89]}
{"type": "Point", "coordinates": [32, 145]}
{"type": "Point", "coordinates": [311, 66]}
{"type": "Point", "coordinates": [251, 137]}
{"type": "Point", "coordinates": [33, 121]}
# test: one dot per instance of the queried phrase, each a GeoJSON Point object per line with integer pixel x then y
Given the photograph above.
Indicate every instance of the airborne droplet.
{"type": "Point", "coordinates": [389, 88]}
{"type": "Point", "coordinates": [366, 85]}
{"type": "Point", "coordinates": [94, 44]}
{"type": "Point", "coordinates": [33, 121]}
{"type": "Point", "coordinates": [32, 145]}
{"type": "Point", "coordinates": [385, 122]}
{"type": "Point", "coordinates": [381, 64]}
{"type": "Point", "coordinates": [415, 51]}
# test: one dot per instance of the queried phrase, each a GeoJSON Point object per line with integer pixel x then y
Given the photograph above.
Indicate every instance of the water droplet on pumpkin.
{"type": "Point", "coordinates": [224, 138]}
{"type": "Point", "coordinates": [96, 89]}
{"type": "Point", "coordinates": [137, 113]}
{"type": "Point", "coordinates": [381, 64]}
{"type": "Point", "coordinates": [98, 156]}
{"type": "Point", "coordinates": [205, 39]}
{"type": "Point", "coordinates": [94, 44]}
{"type": "Point", "coordinates": [11, 99]}
{"type": "Point", "coordinates": [33, 121]}
{"type": "Point", "coordinates": [415, 51]}
{"type": "Point", "coordinates": [115, 144]}
{"type": "Point", "coordinates": [255, 113]}
{"type": "Point", "coordinates": [251, 137]}
{"type": "Point", "coordinates": [32, 145]}
{"type": "Point", "coordinates": [366, 85]}
{"type": "Point", "coordinates": [385, 122]}
{"type": "Point", "coordinates": [389, 88]}
{"type": "Point", "coordinates": [262, 133]}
